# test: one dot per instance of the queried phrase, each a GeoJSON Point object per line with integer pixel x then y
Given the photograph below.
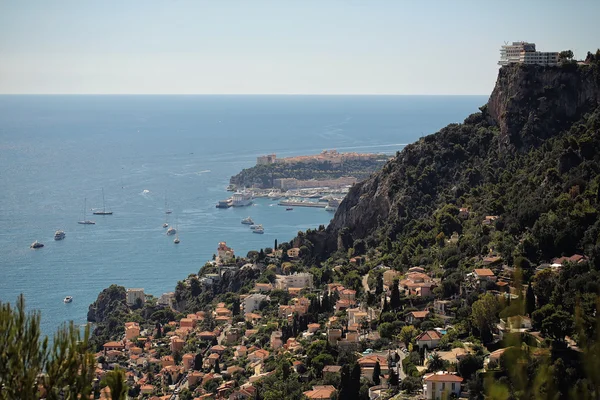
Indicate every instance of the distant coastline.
{"type": "Point", "coordinates": [329, 168]}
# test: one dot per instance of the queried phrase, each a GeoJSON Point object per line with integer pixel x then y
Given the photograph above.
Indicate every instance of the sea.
{"type": "Point", "coordinates": [60, 152]}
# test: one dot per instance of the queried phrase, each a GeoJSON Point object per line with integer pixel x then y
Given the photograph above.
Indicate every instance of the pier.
{"type": "Point", "coordinates": [302, 204]}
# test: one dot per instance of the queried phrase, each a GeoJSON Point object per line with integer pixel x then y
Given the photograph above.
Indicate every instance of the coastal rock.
{"type": "Point", "coordinates": [110, 301]}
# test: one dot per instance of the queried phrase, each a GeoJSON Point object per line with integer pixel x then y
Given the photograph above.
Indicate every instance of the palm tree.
{"type": "Point", "coordinates": [436, 363]}
{"type": "Point", "coordinates": [115, 380]}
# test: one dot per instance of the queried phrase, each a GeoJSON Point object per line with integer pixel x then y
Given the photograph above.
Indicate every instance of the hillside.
{"type": "Point", "coordinates": [530, 156]}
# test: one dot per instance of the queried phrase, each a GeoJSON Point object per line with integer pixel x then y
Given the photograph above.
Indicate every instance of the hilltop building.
{"type": "Point", "coordinates": [135, 295]}
{"type": "Point", "coordinates": [225, 253]}
{"type": "Point", "coordinates": [266, 160]}
{"type": "Point", "coordinates": [525, 53]}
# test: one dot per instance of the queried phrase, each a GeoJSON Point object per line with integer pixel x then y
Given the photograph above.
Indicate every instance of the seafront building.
{"type": "Point", "coordinates": [525, 53]}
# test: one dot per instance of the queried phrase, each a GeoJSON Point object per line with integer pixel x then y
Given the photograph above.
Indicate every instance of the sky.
{"type": "Point", "coordinates": [277, 46]}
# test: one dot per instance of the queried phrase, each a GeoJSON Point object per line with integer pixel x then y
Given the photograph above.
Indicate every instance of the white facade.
{"type": "Point", "coordinates": [298, 280]}
{"type": "Point", "coordinates": [252, 302]}
{"type": "Point", "coordinates": [442, 385]}
{"type": "Point", "coordinates": [133, 295]}
{"type": "Point", "coordinates": [525, 53]}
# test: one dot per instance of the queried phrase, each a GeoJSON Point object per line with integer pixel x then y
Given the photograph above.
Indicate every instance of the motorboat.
{"type": "Point", "coordinates": [254, 227]}
{"type": "Point", "coordinates": [59, 235]}
{"type": "Point", "coordinates": [289, 209]}
{"type": "Point", "coordinates": [171, 231]}
{"type": "Point", "coordinates": [260, 230]}
{"type": "Point", "coordinates": [165, 225]}
{"type": "Point", "coordinates": [103, 212]}
{"type": "Point", "coordinates": [36, 245]}
{"type": "Point", "coordinates": [68, 299]}
{"type": "Point", "coordinates": [247, 221]}
{"type": "Point", "coordinates": [85, 221]}
{"type": "Point", "coordinates": [176, 240]}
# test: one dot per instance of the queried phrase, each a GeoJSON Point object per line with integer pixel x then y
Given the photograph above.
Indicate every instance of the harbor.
{"type": "Point", "coordinates": [301, 203]}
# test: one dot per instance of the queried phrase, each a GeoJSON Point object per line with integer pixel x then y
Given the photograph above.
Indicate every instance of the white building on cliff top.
{"type": "Point", "coordinates": [525, 53]}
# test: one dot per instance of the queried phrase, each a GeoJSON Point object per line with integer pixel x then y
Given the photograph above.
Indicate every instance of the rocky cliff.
{"type": "Point", "coordinates": [528, 105]}
{"type": "Point", "coordinates": [531, 103]}
{"type": "Point", "coordinates": [110, 301]}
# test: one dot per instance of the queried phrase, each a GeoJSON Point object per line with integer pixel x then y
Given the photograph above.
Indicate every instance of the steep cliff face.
{"type": "Point", "coordinates": [529, 104]}
{"type": "Point", "coordinates": [110, 301]}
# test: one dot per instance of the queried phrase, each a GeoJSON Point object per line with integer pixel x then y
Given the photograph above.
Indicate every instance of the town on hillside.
{"type": "Point", "coordinates": [356, 328]}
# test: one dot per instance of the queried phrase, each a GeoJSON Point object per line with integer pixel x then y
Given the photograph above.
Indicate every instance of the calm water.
{"type": "Point", "coordinates": [57, 150]}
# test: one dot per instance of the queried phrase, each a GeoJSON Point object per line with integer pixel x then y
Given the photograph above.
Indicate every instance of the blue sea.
{"type": "Point", "coordinates": [56, 151]}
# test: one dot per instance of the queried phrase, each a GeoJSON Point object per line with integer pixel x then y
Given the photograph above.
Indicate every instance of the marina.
{"type": "Point", "coordinates": [290, 203]}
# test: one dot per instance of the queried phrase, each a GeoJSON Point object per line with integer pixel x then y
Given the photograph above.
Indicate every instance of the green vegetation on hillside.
{"type": "Point", "coordinates": [263, 175]}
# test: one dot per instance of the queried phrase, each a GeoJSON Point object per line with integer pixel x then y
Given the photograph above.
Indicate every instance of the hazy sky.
{"type": "Point", "coordinates": [278, 46]}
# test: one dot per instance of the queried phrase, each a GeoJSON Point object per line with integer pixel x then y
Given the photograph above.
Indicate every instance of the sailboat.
{"type": "Point", "coordinates": [85, 221]}
{"type": "Point", "coordinates": [176, 240]}
{"type": "Point", "coordinates": [167, 211]}
{"type": "Point", "coordinates": [103, 212]}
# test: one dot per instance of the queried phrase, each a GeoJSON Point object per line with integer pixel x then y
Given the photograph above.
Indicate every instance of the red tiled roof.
{"type": "Point", "coordinates": [443, 378]}
{"type": "Point", "coordinates": [420, 314]}
{"type": "Point", "coordinates": [429, 335]}
{"type": "Point", "coordinates": [483, 272]}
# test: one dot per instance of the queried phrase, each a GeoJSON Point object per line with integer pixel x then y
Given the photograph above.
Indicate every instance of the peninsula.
{"type": "Point", "coordinates": [329, 168]}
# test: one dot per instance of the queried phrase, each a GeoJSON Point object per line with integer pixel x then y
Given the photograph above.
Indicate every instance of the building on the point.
{"type": "Point", "coordinates": [266, 159]}
{"type": "Point", "coordinates": [525, 53]}
{"type": "Point", "coordinates": [135, 295]}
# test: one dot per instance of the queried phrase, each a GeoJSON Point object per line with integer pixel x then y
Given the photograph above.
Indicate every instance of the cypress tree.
{"type": "Point", "coordinates": [529, 300]}
{"type": "Point", "coordinates": [355, 381]}
{"type": "Point", "coordinates": [376, 374]}
{"type": "Point", "coordinates": [198, 362]}
{"type": "Point", "coordinates": [395, 295]}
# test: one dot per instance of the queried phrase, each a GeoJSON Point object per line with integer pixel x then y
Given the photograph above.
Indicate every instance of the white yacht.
{"type": "Point", "coordinates": [241, 199]}
{"type": "Point", "coordinates": [247, 221]}
{"type": "Point", "coordinates": [59, 235]}
{"type": "Point", "coordinates": [176, 240]}
{"type": "Point", "coordinates": [254, 227]}
{"type": "Point", "coordinates": [259, 229]}
{"type": "Point", "coordinates": [68, 299]}
{"type": "Point", "coordinates": [36, 245]}
{"type": "Point", "coordinates": [103, 212]}
{"type": "Point", "coordinates": [165, 225]}
{"type": "Point", "coordinates": [85, 221]}
{"type": "Point", "coordinates": [171, 231]}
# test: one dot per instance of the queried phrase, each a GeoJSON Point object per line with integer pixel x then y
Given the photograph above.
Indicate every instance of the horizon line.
{"type": "Point", "coordinates": [239, 94]}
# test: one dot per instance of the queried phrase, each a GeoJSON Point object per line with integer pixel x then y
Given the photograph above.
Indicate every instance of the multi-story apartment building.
{"type": "Point", "coordinates": [525, 53]}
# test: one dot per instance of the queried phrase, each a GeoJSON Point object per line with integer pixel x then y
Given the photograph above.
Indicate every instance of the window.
{"type": "Point", "coordinates": [453, 386]}
{"type": "Point", "coordinates": [443, 385]}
